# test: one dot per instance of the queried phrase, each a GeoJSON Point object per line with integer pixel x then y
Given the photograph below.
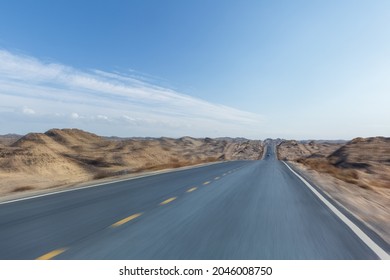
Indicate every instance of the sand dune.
{"type": "Point", "coordinates": [61, 157]}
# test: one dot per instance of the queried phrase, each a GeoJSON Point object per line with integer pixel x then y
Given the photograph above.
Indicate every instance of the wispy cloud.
{"type": "Point", "coordinates": [35, 95]}
{"type": "Point", "coordinates": [28, 111]}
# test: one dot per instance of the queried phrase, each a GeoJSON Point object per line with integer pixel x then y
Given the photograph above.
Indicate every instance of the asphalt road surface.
{"type": "Point", "coordinates": [231, 210]}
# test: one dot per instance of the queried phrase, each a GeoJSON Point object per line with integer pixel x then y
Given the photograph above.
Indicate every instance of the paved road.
{"type": "Point", "coordinates": [231, 210]}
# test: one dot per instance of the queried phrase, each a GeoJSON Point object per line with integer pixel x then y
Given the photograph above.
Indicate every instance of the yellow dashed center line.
{"type": "Point", "coordinates": [216, 178]}
{"type": "Point", "coordinates": [52, 254]}
{"type": "Point", "coordinates": [192, 189]}
{"type": "Point", "coordinates": [168, 200]}
{"type": "Point", "coordinates": [206, 183]}
{"type": "Point", "coordinates": [125, 220]}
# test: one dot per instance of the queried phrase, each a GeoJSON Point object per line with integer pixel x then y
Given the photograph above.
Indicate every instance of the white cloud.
{"type": "Point", "coordinates": [133, 106]}
{"type": "Point", "coordinates": [28, 111]}
{"type": "Point", "coordinates": [102, 117]}
{"type": "Point", "coordinates": [127, 118]}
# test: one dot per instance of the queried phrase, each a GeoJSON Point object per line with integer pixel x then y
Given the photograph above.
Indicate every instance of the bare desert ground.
{"type": "Point", "coordinates": [63, 157]}
{"type": "Point", "coordinates": [356, 174]}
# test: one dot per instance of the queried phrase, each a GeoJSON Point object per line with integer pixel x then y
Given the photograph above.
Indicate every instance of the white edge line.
{"type": "Point", "coordinates": [112, 182]}
{"type": "Point", "coordinates": [364, 237]}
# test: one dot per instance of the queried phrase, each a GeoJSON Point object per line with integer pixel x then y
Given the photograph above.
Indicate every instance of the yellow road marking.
{"type": "Point", "coordinates": [168, 200]}
{"type": "Point", "coordinates": [206, 183]}
{"type": "Point", "coordinates": [216, 178]}
{"type": "Point", "coordinates": [192, 189]}
{"type": "Point", "coordinates": [125, 220]}
{"type": "Point", "coordinates": [52, 254]}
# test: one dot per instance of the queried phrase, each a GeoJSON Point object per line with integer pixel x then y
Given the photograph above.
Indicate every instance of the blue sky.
{"type": "Point", "coordinates": [256, 69]}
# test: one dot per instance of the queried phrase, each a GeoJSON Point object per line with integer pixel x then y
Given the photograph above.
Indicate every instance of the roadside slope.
{"type": "Point", "coordinates": [356, 175]}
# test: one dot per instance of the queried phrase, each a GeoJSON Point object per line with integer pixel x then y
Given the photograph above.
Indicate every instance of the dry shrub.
{"type": "Point", "coordinates": [323, 165]}
{"type": "Point", "coordinates": [174, 160]}
{"type": "Point", "coordinates": [22, 189]}
{"type": "Point", "coordinates": [102, 174]}
{"type": "Point", "coordinates": [175, 163]}
{"type": "Point", "coordinates": [211, 159]}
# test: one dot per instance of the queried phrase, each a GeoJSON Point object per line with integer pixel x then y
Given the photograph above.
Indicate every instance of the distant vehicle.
{"type": "Point", "coordinates": [267, 155]}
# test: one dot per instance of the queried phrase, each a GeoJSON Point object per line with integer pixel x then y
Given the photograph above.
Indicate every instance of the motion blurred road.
{"type": "Point", "coordinates": [231, 210]}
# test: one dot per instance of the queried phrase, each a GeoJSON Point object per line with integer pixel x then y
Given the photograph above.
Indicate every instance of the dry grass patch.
{"type": "Point", "coordinates": [175, 163]}
{"type": "Point", "coordinates": [22, 189]}
{"type": "Point", "coordinates": [322, 165]}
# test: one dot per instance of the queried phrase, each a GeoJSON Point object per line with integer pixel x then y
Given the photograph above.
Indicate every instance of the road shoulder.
{"type": "Point", "coordinates": [366, 208]}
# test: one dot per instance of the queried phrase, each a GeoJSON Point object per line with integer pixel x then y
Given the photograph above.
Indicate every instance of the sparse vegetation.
{"type": "Point", "coordinates": [102, 174]}
{"type": "Point", "coordinates": [323, 165]}
{"type": "Point", "coordinates": [22, 189]}
{"type": "Point", "coordinates": [175, 163]}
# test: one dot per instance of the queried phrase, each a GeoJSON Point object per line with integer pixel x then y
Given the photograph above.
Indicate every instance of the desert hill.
{"type": "Point", "coordinates": [8, 139]}
{"type": "Point", "coordinates": [361, 161]}
{"type": "Point", "coordinates": [366, 159]}
{"type": "Point", "coordinates": [294, 150]}
{"type": "Point", "coordinates": [361, 152]}
{"type": "Point", "coordinates": [67, 156]}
